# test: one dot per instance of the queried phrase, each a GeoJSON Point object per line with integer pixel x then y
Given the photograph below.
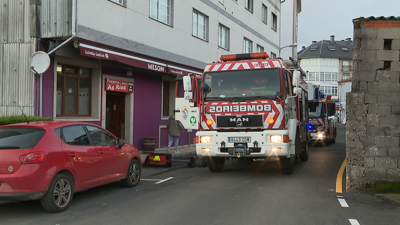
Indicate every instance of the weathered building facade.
{"type": "Point", "coordinates": [373, 105]}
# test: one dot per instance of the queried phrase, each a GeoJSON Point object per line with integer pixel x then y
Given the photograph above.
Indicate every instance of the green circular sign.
{"type": "Point", "coordinates": [193, 121]}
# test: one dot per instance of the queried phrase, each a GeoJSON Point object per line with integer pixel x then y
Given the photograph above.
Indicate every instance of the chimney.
{"type": "Point", "coordinates": [314, 42]}
{"type": "Point", "coordinates": [332, 39]}
{"type": "Point", "coordinates": [303, 47]}
{"type": "Point", "coordinates": [348, 39]}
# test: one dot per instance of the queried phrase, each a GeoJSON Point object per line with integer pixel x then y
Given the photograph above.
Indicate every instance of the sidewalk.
{"type": "Point", "coordinates": [183, 150]}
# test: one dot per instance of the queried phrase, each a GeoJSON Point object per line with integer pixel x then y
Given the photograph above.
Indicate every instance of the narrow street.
{"type": "Point", "coordinates": [244, 193]}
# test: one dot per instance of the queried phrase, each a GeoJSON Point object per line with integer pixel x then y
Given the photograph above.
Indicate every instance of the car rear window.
{"type": "Point", "coordinates": [20, 138]}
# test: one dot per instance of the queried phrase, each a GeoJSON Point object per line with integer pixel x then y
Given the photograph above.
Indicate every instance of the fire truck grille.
{"type": "Point", "coordinates": [240, 121]}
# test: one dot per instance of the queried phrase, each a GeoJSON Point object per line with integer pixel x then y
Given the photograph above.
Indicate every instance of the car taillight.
{"type": "Point", "coordinates": [35, 157]}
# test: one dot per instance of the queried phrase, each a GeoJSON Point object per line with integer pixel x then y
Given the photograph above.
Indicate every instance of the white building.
{"type": "Point", "coordinates": [327, 62]}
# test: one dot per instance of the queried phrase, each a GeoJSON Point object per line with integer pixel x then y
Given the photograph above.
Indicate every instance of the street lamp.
{"type": "Point", "coordinates": [292, 45]}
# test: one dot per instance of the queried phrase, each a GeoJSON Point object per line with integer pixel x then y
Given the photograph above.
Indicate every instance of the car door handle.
{"type": "Point", "coordinates": [101, 152]}
{"type": "Point", "coordinates": [72, 154]}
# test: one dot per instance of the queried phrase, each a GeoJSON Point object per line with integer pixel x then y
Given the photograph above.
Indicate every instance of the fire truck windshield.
{"type": "Point", "coordinates": [315, 110]}
{"type": "Point", "coordinates": [243, 84]}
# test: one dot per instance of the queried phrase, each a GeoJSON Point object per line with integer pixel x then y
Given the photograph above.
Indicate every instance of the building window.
{"type": "Point", "coordinates": [223, 37]}
{"type": "Point", "coordinates": [387, 44]}
{"type": "Point", "coordinates": [74, 85]}
{"type": "Point", "coordinates": [264, 13]}
{"type": "Point", "coordinates": [322, 76]}
{"type": "Point", "coordinates": [273, 55]}
{"type": "Point", "coordinates": [161, 10]}
{"type": "Point", "coordinates": [260, 48]}
{"type": "Point", "coordinates": [274, 25]}
{"type": "Point", "coordinates": [249, 5]}
{"type": "Point", "coordinates": [200, 25]}
{"type": "Point", "coordinates": [334, 91]}
{"type": "Point", "coordinates": [165, 103]}
{"type": "Point", "coordinates": [247, 46]}
{"type": "Point", "coordinates": [121, 2]}
{"type": "Point", "coordinates": [335, 76]}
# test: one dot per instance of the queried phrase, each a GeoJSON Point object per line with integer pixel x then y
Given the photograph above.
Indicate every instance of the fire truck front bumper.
{"type": "Point", "coordinates": [271, 143]}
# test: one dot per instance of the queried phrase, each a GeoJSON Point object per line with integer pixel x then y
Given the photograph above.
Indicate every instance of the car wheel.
{"type": "Point", "coordinates": [286, 165]}
{"type": "Point", "coordinates": [133, 175]}
{"type": "Point", "coordinates": [304, 153]}
{"type": "Point", "coordinates": [59, 195]}
{"type": "Point", "coordinates": [216, 164]}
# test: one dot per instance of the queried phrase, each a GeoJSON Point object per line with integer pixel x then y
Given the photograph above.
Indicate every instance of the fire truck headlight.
{"type": "Point", "coordinates": [320, 135]}
{"type": "Point", "coordinates": [205, 139]}
{"type": "Point", "coordinates": [276, 138]}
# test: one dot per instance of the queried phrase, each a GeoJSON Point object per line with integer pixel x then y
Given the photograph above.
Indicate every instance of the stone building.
{"type": "Point", "coordinates": [373, 105]}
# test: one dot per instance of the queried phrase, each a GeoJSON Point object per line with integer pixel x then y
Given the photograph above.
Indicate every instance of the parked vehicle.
{"type": "Point", "coordinates": [248, 106]}
{"type": "Point", "coordinates": [50, 161]}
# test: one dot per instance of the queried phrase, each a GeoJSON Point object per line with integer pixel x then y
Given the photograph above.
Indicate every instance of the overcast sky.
{"type": "Point", "coordinates": [319, 19]}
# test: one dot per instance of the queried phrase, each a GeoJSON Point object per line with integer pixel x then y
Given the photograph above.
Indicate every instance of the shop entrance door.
{"type": "Point", "coordinates": [115, 113]}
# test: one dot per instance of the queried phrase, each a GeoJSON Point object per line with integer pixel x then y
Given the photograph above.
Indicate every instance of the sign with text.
{"type": "Point", "coordinates": [119, 85]}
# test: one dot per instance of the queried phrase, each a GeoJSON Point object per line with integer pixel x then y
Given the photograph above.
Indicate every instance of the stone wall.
{"type": "Point", "coordinates": [373, 105]}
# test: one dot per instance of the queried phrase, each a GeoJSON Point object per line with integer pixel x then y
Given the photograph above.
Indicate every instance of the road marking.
{"type": "Point", "coordinates": [354, 222]}
{"type": "Point", "coordinates": [161, 181]}
{"type": "Point", "coordinates": [339, 178]}
{"type": "Point", "coordinates": [343, 202]}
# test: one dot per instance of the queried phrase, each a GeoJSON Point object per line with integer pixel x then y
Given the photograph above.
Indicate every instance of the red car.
{"type": "Point", "coordinates": [52, 160]}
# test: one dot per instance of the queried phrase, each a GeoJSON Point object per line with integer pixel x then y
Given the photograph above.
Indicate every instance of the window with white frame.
{"type": "Point", "coordinates": [247, 46]}
{"type": "Point", "coordinates": [223, 37]}
{"type": "Point", "coordinates": [121, 2]}
{"type": "Point", "coordinates": [334, 91]}
{"type": "Point", "coordinates": [260, 48]}
{"type": "Point", "coordinates": [200, 25]}
{"type": "Point", "coordinates": [274, 25]}
{"type": "Point", "coordinates": [264, 13]}
{"type": "Point", "coordinates": [273, 55]}
{"type": "Point", "coordinates": [328, 76]}
{"type": "Point", "coordinates": [322, 76]}
{"type": "Point", "coordinates": [249, 5]}
{"type": "Point", "coordinates": [161, 10]}
{"type": "Point", "coordinates": [335, 76]}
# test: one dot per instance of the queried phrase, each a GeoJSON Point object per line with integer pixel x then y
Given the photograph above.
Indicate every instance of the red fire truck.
{"type": "Point", "coordinates": [246, 106]}
{"type": "Point", "coordinates": [322, 123]}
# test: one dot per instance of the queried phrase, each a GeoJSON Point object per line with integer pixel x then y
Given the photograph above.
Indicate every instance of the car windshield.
{"type": "Point", "coordinates": [315, 110]}
{"type": "Point", "coordinates": [20, 138]}
{"type": "Point", "coordinates": [239, 85]}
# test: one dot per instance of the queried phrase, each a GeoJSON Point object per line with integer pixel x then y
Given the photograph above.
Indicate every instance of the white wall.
{"type": "Point", "coordinates": [289, 29]}
{"type": "Point", "coordinates": [134, 26]}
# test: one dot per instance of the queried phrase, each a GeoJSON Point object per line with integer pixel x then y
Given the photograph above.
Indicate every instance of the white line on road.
{"type": "Point", "coordinates": [161, 181]}
{"type": "Point", "coordinates": [343, 202]}
{"type": "Point", "coordinates": [354, 222]}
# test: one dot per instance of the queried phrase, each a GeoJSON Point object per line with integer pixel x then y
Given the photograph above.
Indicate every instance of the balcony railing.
{"type": "Point", "coordinates": [346, 68]}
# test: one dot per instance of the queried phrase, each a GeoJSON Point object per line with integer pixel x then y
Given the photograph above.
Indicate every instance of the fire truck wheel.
{"type": "Point", "coordinates": [216, 164]}
{"type": "Point", "coordinates": [304, 153]}
{"type": "Point", "coordinates": [286, 165]}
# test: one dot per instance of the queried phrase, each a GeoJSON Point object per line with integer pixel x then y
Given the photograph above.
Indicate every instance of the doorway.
{"type": "Point", "coordinates": [115, 113]}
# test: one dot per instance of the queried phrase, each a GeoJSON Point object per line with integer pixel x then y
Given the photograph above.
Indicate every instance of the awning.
{"type": "Point", "coordinates": [134, 60]}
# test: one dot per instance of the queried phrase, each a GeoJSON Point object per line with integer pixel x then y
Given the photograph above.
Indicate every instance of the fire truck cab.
{"type": "Point", "coordinates": [246, 106]}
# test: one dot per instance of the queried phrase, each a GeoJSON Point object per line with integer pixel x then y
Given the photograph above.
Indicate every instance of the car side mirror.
{"type": "Point", "coordinates": [120, 143]}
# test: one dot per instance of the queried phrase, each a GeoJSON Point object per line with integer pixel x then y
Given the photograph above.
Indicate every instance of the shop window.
{"type": "Point", "coordinates": [73, 91]}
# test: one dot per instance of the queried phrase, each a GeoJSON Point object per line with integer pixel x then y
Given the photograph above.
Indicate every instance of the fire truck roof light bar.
{"type": "Point", "coordinates": [258, 55]}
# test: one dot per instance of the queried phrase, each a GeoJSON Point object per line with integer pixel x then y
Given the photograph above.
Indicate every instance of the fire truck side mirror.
{"type": "Point", "coordinates": [296, 78]}
{"type": "Point", "coordinates": [205, 88]}
{"type": "Point", "coordinates": [187, 83]}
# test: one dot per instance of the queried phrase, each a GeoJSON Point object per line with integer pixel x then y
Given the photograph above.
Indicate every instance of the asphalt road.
{"type": "Point", "coordinates": [244, 193]}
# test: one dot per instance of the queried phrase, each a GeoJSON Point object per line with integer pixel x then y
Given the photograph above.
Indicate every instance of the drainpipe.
{"type": "Point", "coordinates": [59, 46]}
